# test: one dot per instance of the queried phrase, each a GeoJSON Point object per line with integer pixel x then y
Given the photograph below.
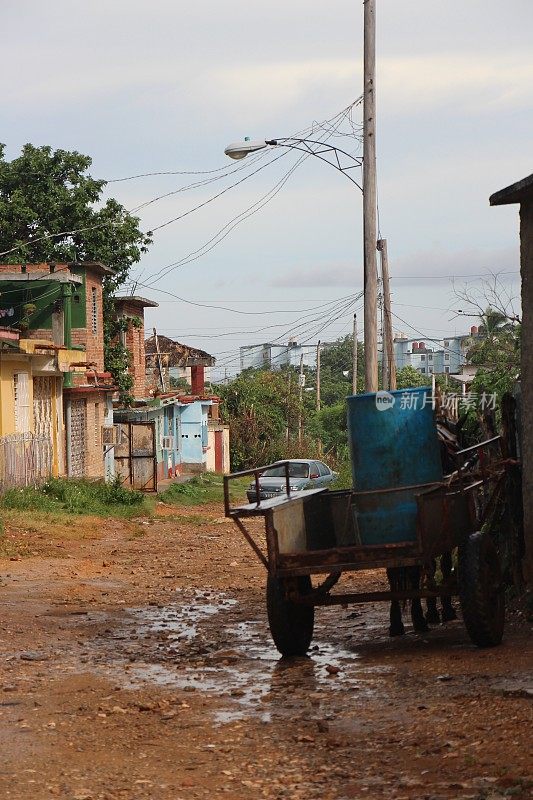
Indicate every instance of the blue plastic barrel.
{"type": "Point", "coordinates": [393, 443]}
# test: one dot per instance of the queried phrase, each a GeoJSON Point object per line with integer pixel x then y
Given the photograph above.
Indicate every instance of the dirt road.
{"type": "Point", "coordinates": [136, 663]}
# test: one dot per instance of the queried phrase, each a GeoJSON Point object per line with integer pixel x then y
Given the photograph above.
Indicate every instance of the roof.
{"type": "Point", "coordinates": [97, 266]}
{"type": "Point", "coordinates": [515, 193]}
{"type": "Point", "coordinates": [135, 300]}
{"type": "Point", "coordinates": [177, 354]}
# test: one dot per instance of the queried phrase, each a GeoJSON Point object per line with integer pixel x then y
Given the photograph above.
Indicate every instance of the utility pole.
{"type": "Point", "coordinates": [389, 374]}
{"type": "Point", "coordinates": [370, 199]}
{"type": "Point", "coordinates": [159, 362]}
{"type": "Point", "coordinates": [301, 383]}
{"type": "Point", "coordinates": [318, 376]}
{"type": "Point", "coordinates": [384, 348]}
{"type": "Point", "coordinates": [288, 407]}
{"type": "Point", "coordinates": [354, 356]}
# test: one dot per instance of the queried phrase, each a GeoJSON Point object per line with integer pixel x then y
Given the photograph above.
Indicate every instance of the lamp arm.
{"type": "Point", "coordinates": [304, 146]}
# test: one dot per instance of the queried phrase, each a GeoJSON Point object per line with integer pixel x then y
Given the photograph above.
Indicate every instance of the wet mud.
{"type": "Point", "coordinates": [144, 668]}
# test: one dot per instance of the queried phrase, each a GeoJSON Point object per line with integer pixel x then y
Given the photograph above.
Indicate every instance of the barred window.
{"type": "Point", "coordinates": [94, 309]}
{"type": "Point", "coordinates": [97, 425]}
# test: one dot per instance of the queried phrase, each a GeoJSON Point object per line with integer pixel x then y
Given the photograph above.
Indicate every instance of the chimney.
{"type": "Point", "coordinates": [474, 330]}
{"type": "Point", "coordinates": [197, 380]}
{"type": "Point", "coordinates": [422, 346]}
{"type": "Point", "coordinates": [414, 346]}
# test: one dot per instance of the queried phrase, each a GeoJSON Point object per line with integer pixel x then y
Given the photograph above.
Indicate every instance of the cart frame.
{"type": "Point", "coordinates": [448, 513]}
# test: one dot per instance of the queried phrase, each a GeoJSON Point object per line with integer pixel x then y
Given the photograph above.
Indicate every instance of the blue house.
{"type": "Point", "coordinates": [166, 432]}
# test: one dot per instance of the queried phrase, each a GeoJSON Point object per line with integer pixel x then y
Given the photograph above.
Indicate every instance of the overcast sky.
{"type": "Point", "coordinates": [165, 85]}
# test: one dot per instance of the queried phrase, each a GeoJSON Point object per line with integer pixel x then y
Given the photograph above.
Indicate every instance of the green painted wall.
{"type": "Point", "coordinates": [43, 294]}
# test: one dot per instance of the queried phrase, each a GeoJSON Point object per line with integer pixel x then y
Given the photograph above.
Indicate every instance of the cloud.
{"type": "Point", "coordinates": [426, 265]}
{"type": "Point", "coordinates": [421, 268]}
{"type": "Point", "coordinates": [327, 275]}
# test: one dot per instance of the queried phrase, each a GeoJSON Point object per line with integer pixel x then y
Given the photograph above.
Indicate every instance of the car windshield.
{"type": "Point", "coordinates": [295, 471]}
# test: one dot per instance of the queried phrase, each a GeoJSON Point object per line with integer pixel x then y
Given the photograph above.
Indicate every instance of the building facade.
{"type": "Point", "coordinates": [181, 430]}
{"type": "Point", "coordinates": [430, 357]}
{"type": "Point", "coordinates": [58, 308]}
{"type": "Point", "coordinates": [276, 356]}
{"type": "Point", "coordinates": [522, 193]}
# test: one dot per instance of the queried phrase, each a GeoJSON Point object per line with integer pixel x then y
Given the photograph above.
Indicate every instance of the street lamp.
{"type": "Point", "coordinates": [238, 150]}
{"type": "Point", "coordinates": [334, 156]}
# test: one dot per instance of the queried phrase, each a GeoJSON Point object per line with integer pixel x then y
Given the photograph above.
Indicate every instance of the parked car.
{"type": "Point", "coordinates": [303, 474]}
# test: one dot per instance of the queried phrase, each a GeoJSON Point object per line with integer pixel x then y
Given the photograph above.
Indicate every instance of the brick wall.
{"type": "Point", "coordinates": [88, 435]}
{"type": "Point", "coordinates": [92, 336]}
{"type": "Point", "coordinates": [134, 341]}
{"type": "Point", "coordinates": [23, 268]}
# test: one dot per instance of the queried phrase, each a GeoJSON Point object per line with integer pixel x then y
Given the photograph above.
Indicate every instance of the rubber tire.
{"type": "Point", "coordinates": [291, 624]}
{"type": "Point", "coordinates": [481, 590]}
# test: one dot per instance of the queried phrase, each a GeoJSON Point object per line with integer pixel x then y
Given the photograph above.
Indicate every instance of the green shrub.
{"type": "Point", "coordinates": [77, 496]}
{"type": "Point", "coordinates": [205, 488]}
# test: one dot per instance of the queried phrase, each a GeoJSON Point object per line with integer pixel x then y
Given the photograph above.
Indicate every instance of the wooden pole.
{"type": "Point", "coordinates": [354, 356]}
{"type": "Point", "coordinates": [370, 199]}
{"type": "Point", "coordinates": [389, 375]}
{"type": "Point", "coordinates": [384, 348]}
{"type": "Point", "coordinates": [289, 407]}
{"type": "Point", "coordinates": [318, 377]}
{"type": "Point", "coordinates": [300, 406]}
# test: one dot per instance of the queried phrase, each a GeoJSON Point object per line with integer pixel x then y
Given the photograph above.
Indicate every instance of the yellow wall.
{"type": "Point", "coordinates": [8, 367]}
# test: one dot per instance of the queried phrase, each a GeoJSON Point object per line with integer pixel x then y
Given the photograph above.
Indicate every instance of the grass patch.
{"type": "Point", "coordinates": [205, 488]}
{"type": "Point", "coordinates": [69, 496]}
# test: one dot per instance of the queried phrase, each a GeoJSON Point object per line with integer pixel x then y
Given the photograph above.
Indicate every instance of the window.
{"type": "Point", "coordinates": [446, 356]}
{"type": "Point", "coordinates": [446, 343]}
{"type": "Point", "coordinates": [430, 357]}
{"type": "Point", "coordinates": [446, 370]}
{"type": "Point", "coordinates": [296, 470]}
{"type": "Point", "coordinates": [323, 469]}
{"type": "Point", "coordinates": [94, 309]}
{"type": "Point", "coordinates": [97, 432]}
{"type": "Point", "coordinates": [422, 370]}
{"type": "Point", "coordinates": [422, 358]}
{"type": "Point", "coordinates": [22, 402]}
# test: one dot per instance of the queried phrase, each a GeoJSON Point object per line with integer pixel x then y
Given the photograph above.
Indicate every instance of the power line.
{"type": "Point", "coordinates": [308, 326]}
{"type": "Point", "coordinates": [423, 278]}
{"type": "Point", "coordinates": [68, 233]}
{"type": "Point", "coordinates": [232, 310]}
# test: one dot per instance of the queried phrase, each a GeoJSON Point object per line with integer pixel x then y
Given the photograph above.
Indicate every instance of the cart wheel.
{"type": "Point", "coordinates": [291, 624]}
{"type": "Point", "coordinates": [481, 590]}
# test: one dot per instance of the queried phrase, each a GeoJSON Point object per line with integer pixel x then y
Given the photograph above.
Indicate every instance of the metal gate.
{"type": "Point", "coordinates": [135, 455]}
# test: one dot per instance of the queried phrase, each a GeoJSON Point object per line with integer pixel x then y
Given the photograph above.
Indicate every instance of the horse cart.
{"type": "Point", "coordinates": [403, 514]}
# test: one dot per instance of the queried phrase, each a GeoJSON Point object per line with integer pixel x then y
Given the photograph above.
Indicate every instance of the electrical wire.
{"type": "Point", "coordinates": [308, 327]}
{"type": "Point", "coordinates": [225, 308]}
{"type": "Point", "coordinates": [429, 338]}
{"type": "Point", "coordinates": [84, 229]}
{"type": "Point", "coordinates": [223, 232]}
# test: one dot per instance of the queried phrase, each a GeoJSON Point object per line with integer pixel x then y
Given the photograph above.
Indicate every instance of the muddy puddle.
{"type": "Point", "coordinates": [208, 643]}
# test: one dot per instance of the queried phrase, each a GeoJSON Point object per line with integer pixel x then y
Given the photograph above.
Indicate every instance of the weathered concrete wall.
{"type": "Point", "coordinates": [526, 268]}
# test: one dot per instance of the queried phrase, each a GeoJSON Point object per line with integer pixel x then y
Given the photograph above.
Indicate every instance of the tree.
{"type": "Point", "coordinates": [51, 210]}
{"type": "Point", "coordinates": [258, 406]}
{"type": "Point", "coordinates": [410, 378]}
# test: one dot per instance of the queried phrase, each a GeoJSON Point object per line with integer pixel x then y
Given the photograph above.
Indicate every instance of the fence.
{"type": "Point", "coordinates": [25, 460]}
